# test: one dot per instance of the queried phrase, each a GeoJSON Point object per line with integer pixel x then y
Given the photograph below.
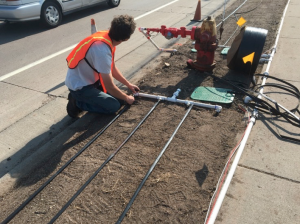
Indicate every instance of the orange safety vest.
{"type": "Point", "coordinates": [79, 52]}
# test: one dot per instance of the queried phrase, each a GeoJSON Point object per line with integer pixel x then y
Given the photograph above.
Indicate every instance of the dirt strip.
{"type": "Point", "coordinates": [181, 185]}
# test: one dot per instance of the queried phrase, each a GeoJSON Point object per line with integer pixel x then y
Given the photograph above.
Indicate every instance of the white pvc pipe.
{"type": "Point", "coordinates": [232, 12]}
{"type": "Point", "coordinates": [273, 101]}
{"type": "Point", "coordinates": [216, 208]}
{"type": "Point", "coordinates": [141, 29]}
{"type": "Point", "coordinates": [222, 194]}
{"type": "Point", "coordinates": [224, 46]}
{"type": "Point", "coordinates": [174, 100]}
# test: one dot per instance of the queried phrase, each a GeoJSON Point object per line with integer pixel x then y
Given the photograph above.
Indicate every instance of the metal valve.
{"type": "Point", "coordinates": [205, 37]}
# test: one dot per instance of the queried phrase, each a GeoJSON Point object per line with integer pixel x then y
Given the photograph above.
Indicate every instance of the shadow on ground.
{"type": "Point", "coordinates": [53, 149]}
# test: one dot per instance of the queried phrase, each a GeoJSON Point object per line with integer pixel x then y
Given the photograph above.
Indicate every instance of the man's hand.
{"type": "Point", "coordinates": [130, 100]}
{"type": "Point", "coordinates": [133, 88]}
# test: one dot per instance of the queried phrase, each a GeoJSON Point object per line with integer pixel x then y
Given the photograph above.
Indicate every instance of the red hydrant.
{"type": "Point", "coordinates": [206, 42]}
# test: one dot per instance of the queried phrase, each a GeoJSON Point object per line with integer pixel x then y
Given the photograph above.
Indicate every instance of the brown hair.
{"type": "Point", "coordinates": [122, 27]}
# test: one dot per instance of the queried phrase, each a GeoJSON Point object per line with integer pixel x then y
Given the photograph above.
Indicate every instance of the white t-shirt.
{"type": "Point", "coordinates": [100, 57]}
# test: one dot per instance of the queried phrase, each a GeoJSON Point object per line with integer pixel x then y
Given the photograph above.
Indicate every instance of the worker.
{"type": "Point", "coordinates": [92, 70]}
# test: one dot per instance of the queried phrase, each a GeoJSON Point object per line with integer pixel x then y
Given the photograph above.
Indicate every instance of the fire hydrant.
{"type": "Point", "coordinates": [206, 42]}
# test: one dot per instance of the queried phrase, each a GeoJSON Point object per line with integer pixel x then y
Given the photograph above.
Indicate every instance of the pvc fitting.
{"type": "Point", "coordinates": [266, 74]}
{"type": "Point", "coordinates": [218, 108]}
{"type": "Point", "coordinates": [223, 46]}
{"type": "Point", "coordinates": [247, 99]}
{"type": "Point", "coordinates": [264, 60]}
{"type": "Point", "coordinates": [265, 56]}
{"type": "Point", "coordinates": [176, 94]}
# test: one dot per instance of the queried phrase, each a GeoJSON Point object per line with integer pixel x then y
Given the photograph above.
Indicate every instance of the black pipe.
{"type": "Point", "coordinates": [100, 168]}
{"type": "Point", "coordinates": [151, 168]}
{"type": "Point", "coordinates": [14, 213]}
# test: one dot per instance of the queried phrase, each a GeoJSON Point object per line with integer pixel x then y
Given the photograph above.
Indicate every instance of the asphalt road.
{"type": "Point", "coordinates": [33, 68]}
{"type": "Point", "coordinates": [28, 42]}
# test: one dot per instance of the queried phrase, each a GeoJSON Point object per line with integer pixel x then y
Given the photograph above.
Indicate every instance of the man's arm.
{"type": "Point", "coordinates": [114, 90]}
{"type": "Point", "coordinates": [118, 76]}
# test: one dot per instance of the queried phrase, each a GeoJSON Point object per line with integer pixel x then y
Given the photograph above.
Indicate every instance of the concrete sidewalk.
{"type": "Point", "coordinates": [266, 185]}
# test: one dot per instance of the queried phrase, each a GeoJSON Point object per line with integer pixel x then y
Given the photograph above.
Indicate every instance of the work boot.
{"type": "Point", "coordinates": [72, 109]}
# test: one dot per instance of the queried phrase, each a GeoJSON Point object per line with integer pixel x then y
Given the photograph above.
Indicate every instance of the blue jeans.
{"type": "Point", "coordinates": [92, 99]}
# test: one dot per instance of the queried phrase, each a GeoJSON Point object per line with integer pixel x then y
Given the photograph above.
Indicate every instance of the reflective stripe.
{"type": "Point", "coordinates": [79, 48]}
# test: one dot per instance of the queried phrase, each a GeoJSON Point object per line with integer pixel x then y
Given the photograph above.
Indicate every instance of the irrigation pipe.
{"type": "Point", "coordinates": [215, 210]}
{"type": "Point", "coordinates": [273, 101]}
{"type": "Point", "coordinates": [232, 12]}
{"type": "Point", "coordinates": [222, 176]}
{"type": "Point", "coordinates": [152, 41]}
{"type": "Point", "coordinates": [152, 167]}
{"type": "Point", "coordinates": [101, 167]}
{"type": "Point", "coordinates": [14, 213]}
{"type": "Point", "coordinates": [173, 99]}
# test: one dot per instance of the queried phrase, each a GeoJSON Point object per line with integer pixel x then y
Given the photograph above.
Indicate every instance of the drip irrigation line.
{"type": "Point", "coordinates": [224, 19]}
{"type": "Point", "coordinates": [232, 13]}
{"type": "Point", "coordinates": [238, 13]}
{"type": "Point", "coordinates": [151, 168]}
{"type": "Point", "coordinates": [14, 213]}
{"type": "Point", "coordinates": [101, 167]}
{"type": "Point", "coordinates": [231, 35]}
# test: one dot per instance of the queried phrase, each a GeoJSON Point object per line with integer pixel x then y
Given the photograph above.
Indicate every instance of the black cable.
{"type": "Point", "coordinates": [14, 213]}
{"type": "Point", "coordinates": [295, 94]}
{"type": "Point", "coordinates": [238, 13]}
{"type": "Point", "coordinates": [100, 168]}
{"type": "Point", "coordinates": [234, 14]}
{"type": "Point", "coordinates": [288, 87]}
{"type": "Point", "coordinates": [151, 168]}
{"type": "Point", "coordinates": [263, 105]}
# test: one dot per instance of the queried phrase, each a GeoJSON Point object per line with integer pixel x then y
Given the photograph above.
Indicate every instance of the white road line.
{"type": "Point", "coordinates": [36, 63]}
{"type": "Point", "coordinates": [155, 10]}
{"type": "Point", "coordinates": [68, 49]}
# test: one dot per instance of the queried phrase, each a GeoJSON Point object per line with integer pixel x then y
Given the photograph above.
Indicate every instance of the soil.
{"type": "Point", "coordinates": [182, 183]}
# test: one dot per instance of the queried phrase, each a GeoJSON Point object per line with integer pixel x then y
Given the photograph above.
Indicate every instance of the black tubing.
{"type": "Point", "coordinates": [232, 12]}
{"type": "Point", "coordinates": [151, 168]}
{"type": "Point", "coordinates": [100, 168]}
{"type": "Point", "coordinates": [238, 13]}
{"type": "Point", "coordinates": [14, 213]}
{"type": "Point", "coordinates": [263, 105]}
